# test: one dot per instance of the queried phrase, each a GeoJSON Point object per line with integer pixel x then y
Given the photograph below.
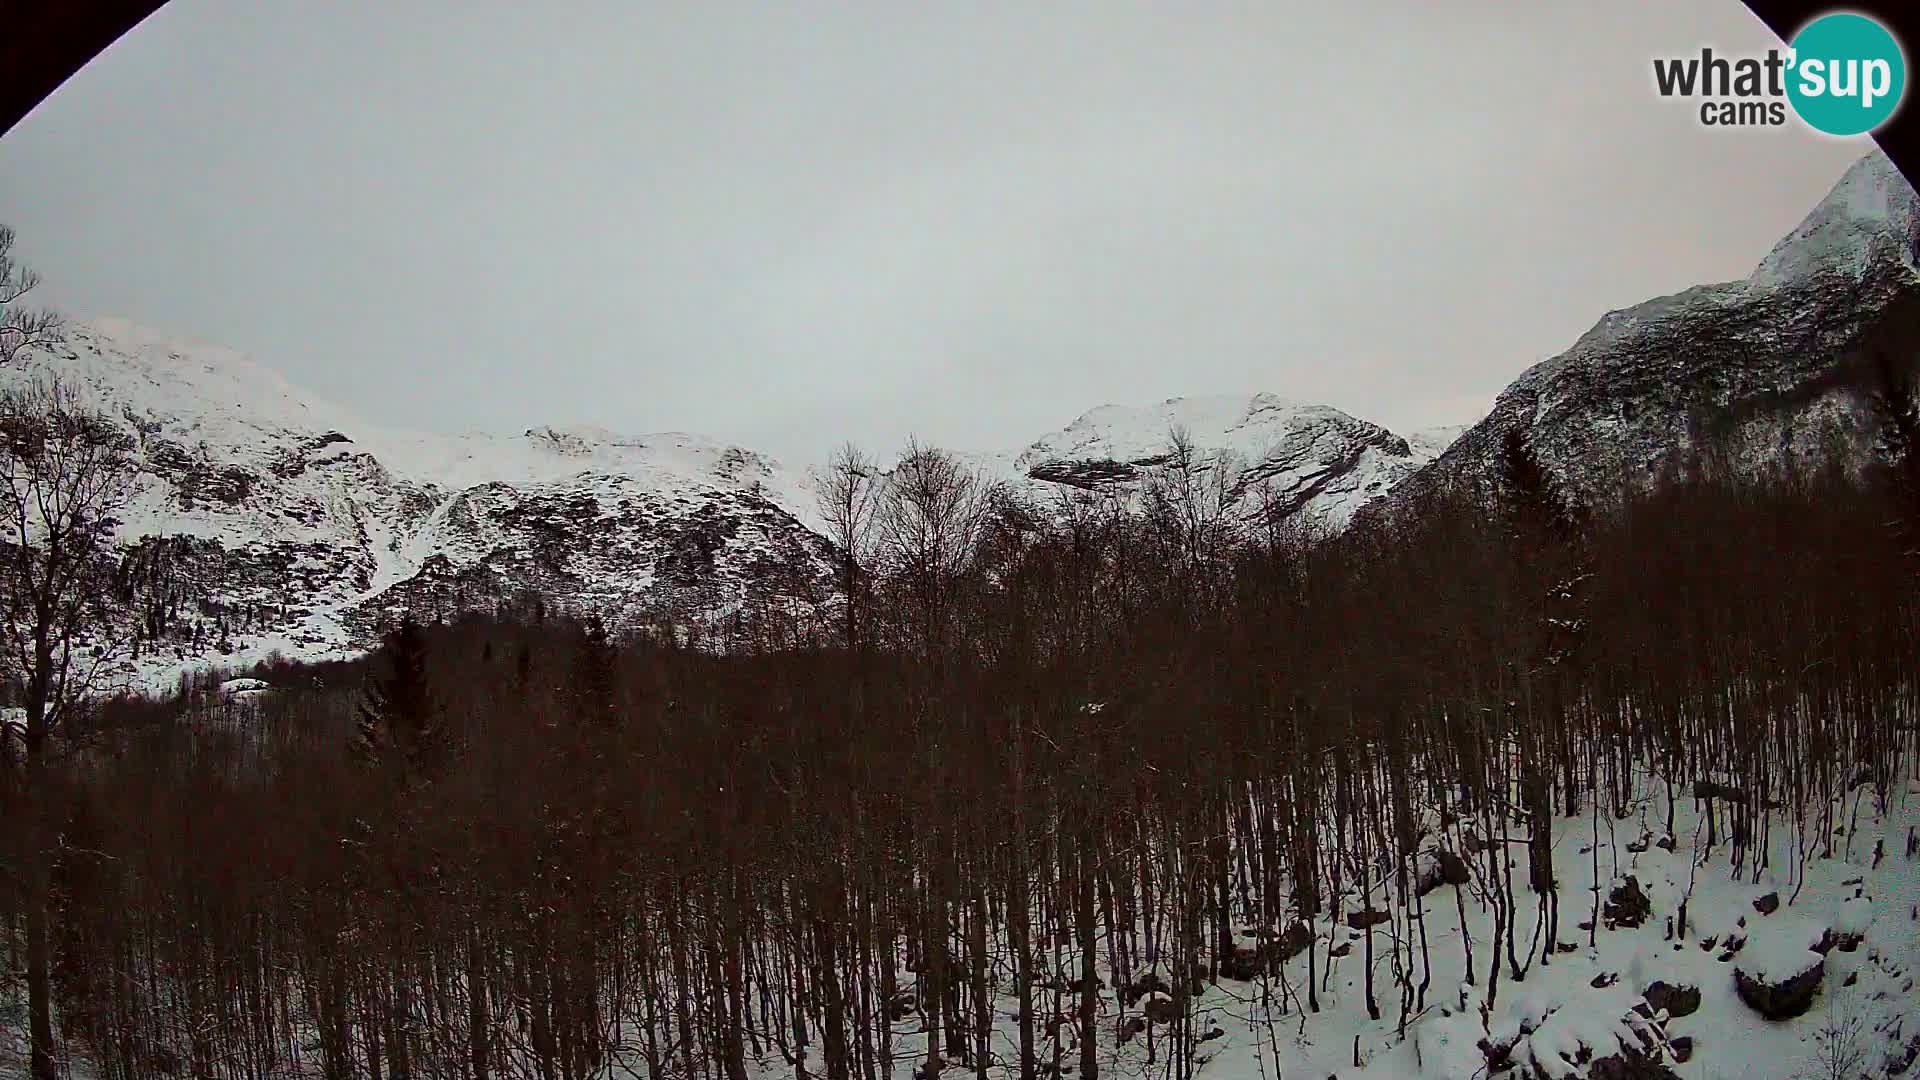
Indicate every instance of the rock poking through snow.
{"type": "Point", "coordinates": [1627, 904]}
{"type": "Point", "coordinates": [1581, 1043]}
{"type": "Point", "coordinates": [1677, 1001]}
{"type": "Point", "coordinates": [1780, 969]}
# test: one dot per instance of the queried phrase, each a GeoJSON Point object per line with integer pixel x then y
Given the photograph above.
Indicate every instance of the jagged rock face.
{"type": "Point", "coordinates": [613, 543]}
{"type": "Point", "coordinates": [1309, 462]}
{"type": "Point", "coordinates": [1760, 370]}
{"type": "Point", "coordinates": [265, 519]}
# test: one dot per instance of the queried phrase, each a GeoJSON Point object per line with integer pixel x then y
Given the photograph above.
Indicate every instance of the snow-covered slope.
{"type": "Point", "coordinates": [268, 519]}
{"type": "Point", "coordinates": [1768, 367]}
{"type": "Point", "coordinates": [1430, 443]}
{"type": "Point", "coordinates": [1311, 462]}
{"type": "Point", "coordinates": [265, 518]}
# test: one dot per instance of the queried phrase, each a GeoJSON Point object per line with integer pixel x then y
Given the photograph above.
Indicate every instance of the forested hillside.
{"type": "Point", "coordinates": [1057, 790]}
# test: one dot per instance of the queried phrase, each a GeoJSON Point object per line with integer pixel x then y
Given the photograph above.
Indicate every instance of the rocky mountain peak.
{"type": "Point", "coordinates": [1869, 218]}
{"type": "Point", "coordinates": [1766, 367]}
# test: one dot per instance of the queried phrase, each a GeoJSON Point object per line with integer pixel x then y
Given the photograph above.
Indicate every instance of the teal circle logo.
{"type": "Point", "coordinates": [1847, 74]}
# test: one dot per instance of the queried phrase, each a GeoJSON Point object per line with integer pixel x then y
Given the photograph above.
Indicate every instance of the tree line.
{"type": "Point", "coordinates": [1040, 775]}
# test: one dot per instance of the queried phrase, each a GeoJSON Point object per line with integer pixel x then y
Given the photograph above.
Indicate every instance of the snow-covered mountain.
{"type": "Point", "coordinates": [1774, 365]}
{"type": "Point", "coordinates": [1309, 462]}
{"type": "Point", "coordinates": [268, 519]}
{"type": "Point", "coordinates": [265, 518]}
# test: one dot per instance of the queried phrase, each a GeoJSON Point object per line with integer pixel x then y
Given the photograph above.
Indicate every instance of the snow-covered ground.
{"type": "Point", "coordinates": [1852, 916]}
{"type": "Point", "coordinates": [1861, 906]}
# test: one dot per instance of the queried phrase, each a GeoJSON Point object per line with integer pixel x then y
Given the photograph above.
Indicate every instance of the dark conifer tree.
{"type": "Point", "coordinates": [397, 722]}
{"type": "Point", "coordinates": [595, 671]}
{"type": "Point", "coordinates": [1897, 405]}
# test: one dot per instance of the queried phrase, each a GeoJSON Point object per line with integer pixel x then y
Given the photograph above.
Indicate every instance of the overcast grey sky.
{"type": "Point", "coordinates": [785, 224]}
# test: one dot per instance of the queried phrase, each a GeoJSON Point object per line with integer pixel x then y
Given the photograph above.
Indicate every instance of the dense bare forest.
{"type": "Point", "coordinates": [1067, 764]}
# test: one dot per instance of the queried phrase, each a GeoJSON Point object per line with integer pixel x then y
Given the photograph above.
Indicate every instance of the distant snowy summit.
{"type": "Point", "coordinates": [1310, 462]}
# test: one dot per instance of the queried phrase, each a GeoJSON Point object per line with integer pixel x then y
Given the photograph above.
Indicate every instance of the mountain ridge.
{"type": "Point", "coordinates": [267, 518]}
{"type": "Point", "coordinates": [1312, 462]}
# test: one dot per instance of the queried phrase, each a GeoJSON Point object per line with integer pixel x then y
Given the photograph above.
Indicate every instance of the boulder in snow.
{"type": "Point", "coordinates": [1365, 917]}
{"type": "Point", "coordinates": [1577, 1042]}
{"type": "Point", "coordinates": [1246, 964]}
{"type": "Point", "coordinates": [1677, 1000]}
{"type": "Point", "coordinates": [1436, 867]}
{"type": "Point", "coordinates": [1627, 904]}
{"type": "Point", "coordinates": [1850, 922]}
{"type": "Point", "coordinates": [1780, 969]}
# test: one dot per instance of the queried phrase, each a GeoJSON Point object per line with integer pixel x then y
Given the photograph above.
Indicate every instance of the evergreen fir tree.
{"type": "Point", "coordinates": [596, 675]}
{"type": "Point", "coordinates": [1897, 408]}
{"type": "Point", "coordinates": [398, 728]}
{"type": "Point", "coordinates": [1534, 502]}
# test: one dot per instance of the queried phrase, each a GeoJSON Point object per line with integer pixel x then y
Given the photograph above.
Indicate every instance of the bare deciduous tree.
{"type": "Point", "coordinates": [848, 498]}
{"type": "Point", "coordinates": [64, 472]}
{"type": "Point", "coordinates": [20, 326]}
{"type": "Point", "coordinates": [1841, 1044]}
{"type": "Point", "coordinates": [929, 521]}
